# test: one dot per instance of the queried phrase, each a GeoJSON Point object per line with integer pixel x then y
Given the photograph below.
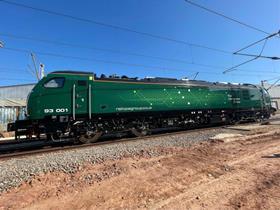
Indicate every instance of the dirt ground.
{"type": "Point", "coordinates": [232, 173]}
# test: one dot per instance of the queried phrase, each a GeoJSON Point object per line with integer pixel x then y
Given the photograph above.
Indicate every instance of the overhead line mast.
{"type": "Point", "coordinates": [255, 57]}
{"type": "Point", "coordinates": [254, 43]}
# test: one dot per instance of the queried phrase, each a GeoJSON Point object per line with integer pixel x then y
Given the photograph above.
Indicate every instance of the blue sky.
{"type": "Point", "coordinates": [170, 18]}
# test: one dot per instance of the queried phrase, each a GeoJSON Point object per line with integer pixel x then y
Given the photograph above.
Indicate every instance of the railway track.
{"type": "Point", "coordinates": [55, 148]}
{"type": "Point", "coordinates": [41, 146]}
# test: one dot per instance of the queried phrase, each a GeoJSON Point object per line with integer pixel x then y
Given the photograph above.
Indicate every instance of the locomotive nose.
{"type": "Point", "coordinates": [30, 103]}
{"type": "Point", "coordinates": [27, 107]}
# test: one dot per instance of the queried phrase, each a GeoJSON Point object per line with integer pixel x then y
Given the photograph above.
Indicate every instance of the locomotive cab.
{"type": "Point", "coordinates": [57, 99]}
{"type": "Point", "coordinates": [60, 94]}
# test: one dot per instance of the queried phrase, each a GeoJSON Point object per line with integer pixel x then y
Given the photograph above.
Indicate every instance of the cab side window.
{"type": "Point", "coordinates": [82, 83]}
{"type": "Point", "coordinates": [57, 82]}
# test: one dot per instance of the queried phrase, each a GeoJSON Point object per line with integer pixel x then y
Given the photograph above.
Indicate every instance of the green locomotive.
{"type": "Point", "coordinates": [68, 104]}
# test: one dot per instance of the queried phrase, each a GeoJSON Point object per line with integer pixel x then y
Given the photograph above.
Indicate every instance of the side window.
{"type": "Point", "coordinates": [82, 83]}
{"type": "Point", "coordinates": [246, 94]}
{"type": "Point", "coordinates": [57, 82]}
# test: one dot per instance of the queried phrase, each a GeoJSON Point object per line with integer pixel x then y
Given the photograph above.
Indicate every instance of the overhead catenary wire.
{"type": "Point", "coordinates": [273, 84]}
{"type": "Point", "coordinates": [271, 79]}
{"type": "Point", "coordinates": [256, 42]}
{"type": "Point", "coordinates": [234, 67]}
{"type": "Point", "coordinates": [112, 51]}
{"type": "Point", "coordinates": [84, 58]}
{"type": "Point", "coordinates": [227, 17]}
{"type": "Point", "coordinates": [25, 51]}
{"type": "Point", "coordinates": [108, 25]}
{"type": "Point", "coordinates": [92, 59]}
{"type": "Point", "coordinates": [255, 56]}
{"type": "Point", "coordinates": [260, 56]}
{"type": "Point", "coordinates": [92, 48]}
{"type": "Point", "coordinates": [124, 28]}
{"type": "Point", "coordinates": [9, 70]}
{"type": "Point", "coordinates": [86, 70]}
{"type": "Point", "coordinates": [262, 48]}
{"type": "Point", "coordinates": [193, 75]}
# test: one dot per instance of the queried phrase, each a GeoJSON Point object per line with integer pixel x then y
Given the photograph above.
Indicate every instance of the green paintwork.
{"type": "Point", "coordinates": [124, 96]}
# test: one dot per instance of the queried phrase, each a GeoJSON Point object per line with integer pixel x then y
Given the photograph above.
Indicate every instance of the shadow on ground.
{"type": "Point", "coordinates": [272, 156]}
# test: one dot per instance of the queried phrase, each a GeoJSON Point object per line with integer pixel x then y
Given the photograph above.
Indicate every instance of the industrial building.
{"type": "Point", "coordinates": [274, 92]}
{"type": "Point", "coordinates": [13, 103]}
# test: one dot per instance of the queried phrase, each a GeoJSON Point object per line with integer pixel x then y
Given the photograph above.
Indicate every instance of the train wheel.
{"type": "Point", "coordinates": [90, 138]}
{"type": "Point", "coordinates": [54, 137]}
{"type": "Point", "coordinates": [139, 132]}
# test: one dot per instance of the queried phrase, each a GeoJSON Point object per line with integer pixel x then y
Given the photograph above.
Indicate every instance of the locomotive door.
{"type": "Point", "coordinates": [80, 98]}
{"type": "Point", "coordinates": [235, 97]}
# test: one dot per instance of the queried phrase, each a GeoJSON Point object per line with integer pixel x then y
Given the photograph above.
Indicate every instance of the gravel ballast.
{"type": "Point", "coordinates": [15, 171]}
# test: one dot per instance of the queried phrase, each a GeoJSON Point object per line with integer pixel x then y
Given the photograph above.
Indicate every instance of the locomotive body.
{"type": "Point", "coordinates": [80, 105]}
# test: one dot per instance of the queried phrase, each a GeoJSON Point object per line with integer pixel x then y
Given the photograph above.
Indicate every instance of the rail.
{"type": "Point", "coordinates": [32, 147]}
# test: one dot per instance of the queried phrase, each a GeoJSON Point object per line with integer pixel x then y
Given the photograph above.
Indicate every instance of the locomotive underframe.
{"type": "Point", "coordinates": [83, 129]}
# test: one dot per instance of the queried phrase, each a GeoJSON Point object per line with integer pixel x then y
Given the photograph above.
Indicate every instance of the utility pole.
{"type": "Point", "coordinates": [38, 72]}
{"type": "Point", "coordinates": [262, 83]}
{"type": "Point", "coordinates": [35, 66]}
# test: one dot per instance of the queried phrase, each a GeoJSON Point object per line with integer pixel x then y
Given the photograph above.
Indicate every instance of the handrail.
{"type": "Point", "coordinates": [74, 102]}
{"type": "Point", "coordinates": [89, 101]}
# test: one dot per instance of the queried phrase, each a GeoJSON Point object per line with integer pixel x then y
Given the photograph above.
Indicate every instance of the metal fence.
{"type": "Point", "coordinates": [10, 114]}
{"type": "Point", "coordinates": [13, 103]}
